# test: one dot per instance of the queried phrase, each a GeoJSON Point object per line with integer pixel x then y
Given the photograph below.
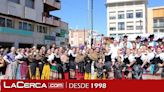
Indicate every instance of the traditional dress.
{"type": "Point", "coordinates": [46, 72]}
{"type": "Point", "coordinates": [93, 57]}
{"type": "Point", "coordinates": [72, 64]}
{"type": "Point", "coordinates": [54, 71]}
{"type": "Point", "coordinates": [159, 59]}
{"type": "Point", "coordinates": [137, 71]}
{"type": "Point", "coordinates": [152, 60]}
{"type": "Point", "coordinates": [80, 66]}
{"type": "Point", "coordinates": [36, 69]}
{"type": "Point", "coordinates": [59, 67]}
{"type": "Point", "coordinates": [108, 65]}
{"type": "Point", "coordinates": [87, 63]}
{"type": "Point", "coordinates": [65, 66]}
{"type": "Point", "coordinates": [11, 66]}
{"type": "Point", "coordinates": [127, 61]}
{"type": "Point", "coordinates": [117, 69]}
{"type": "Point", "coordinates": [22, 68]}
{"type": "Point", "coordinates": [99, 67]}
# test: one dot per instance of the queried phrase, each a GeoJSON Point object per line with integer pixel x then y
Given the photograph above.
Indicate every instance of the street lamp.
{"type": "Point", "coordinates": [90, 18]}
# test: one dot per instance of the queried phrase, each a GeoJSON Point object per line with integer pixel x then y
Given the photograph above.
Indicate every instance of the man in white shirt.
{"type": "Point", "coordinates": [125, 44]}
{"type": "Point", "coordinates": [138, 42]}
{"type": "Point", "coordinates": [114, 51]}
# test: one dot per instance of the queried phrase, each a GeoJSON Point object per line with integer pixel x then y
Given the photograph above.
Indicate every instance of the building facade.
{"type": "Point", "coordinates": [126, 17]}
{"type": "Point", "coordinates": [156, 20]}
{"type": "Point", "coordinates": [24, 23]}
{"type": "Point", "coordinates": [78, 37]}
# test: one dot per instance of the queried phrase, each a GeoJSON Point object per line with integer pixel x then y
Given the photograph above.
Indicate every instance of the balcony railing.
{"type": "Point", "coordinates": [15, 31]}
{"type": "Point", "coordinates": [64, 25]}
{"type": "Point", "coordinates": [52, 20]}
{"type": "Point", "coordinates": [161, 25]}
{"type": "Point", "coordinates": [48, 37]}
{"type": "Point", "coordinates": [53, 3]}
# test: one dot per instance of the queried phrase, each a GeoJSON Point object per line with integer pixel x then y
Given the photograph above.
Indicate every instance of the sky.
{"type": "Point", "coordinates": [75, 12]}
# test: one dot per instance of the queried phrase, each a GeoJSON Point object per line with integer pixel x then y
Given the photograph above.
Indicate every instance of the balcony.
{"type": "Point", "coordinates": [51, 20]}
{"type": "Point", "coordinates": [51, 5]}
{"type": "Point", "coordinates": [15, 31]}
{"type": "Point", "coordinates": [64, 25]}
{"type": "Point", "coordinates": [160, 25]}
{"type": "Point", "coordinates": [48, 37]}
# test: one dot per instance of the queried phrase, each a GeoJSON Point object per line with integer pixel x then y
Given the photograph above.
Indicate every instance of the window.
{"type": "Point", "coordinates": [9, 23]}
{"type": "Point", "coordinates": [37, 28]}
{"type": "Point", "coordinates": [120, 35]}
{"type": "Point", "coordinates": [129, 14]}
{"type": "Point", "coordinates": [121, 15]}
{"type": "Point", "coordinates": [20, 25]}
{"type": "Point", "coordinates": [161, 30]}
{"type": "Point", "coordinates": [161, 22]}
{"type": "Point", "coordinates": [15, 1]}
{"type": "Point", "coordinates": [130, 27]}
{"type": "Point", "coordinates": [29, 27]}
{"type": "Point", "coordinates": [41, 29]}
{"type": "Point", "coordinates": [155, 20]}
{"type": "Point", "coordinates": [129, 3]}
{"type": "Point", "coordinates": [155, 30]}
{"type": "Point", "coordinates": [25, 26]}
{"type": "Point", "coordinates": [112, 35]}
{"type": "Point", "coordinates": [30, 3]}
{"type": "Point", "coordinates": [2, 22]}
{"type": "Point", "coordinates": [139, 14]}
{"type": "Point", "coordinates": [6, 22]}
{"type": "Point", "coordinates": [121, 26]}
{"type": "Point", "coordinates": [112, 17]}
{"type": "Point", "coordinates": [139, 25]}
{"type": "Point", "coordinates": [155, 23]}
{"type": "Point", "coordinates": [112, 28]}
{"type": "Point", "coordinates": [44, 30]}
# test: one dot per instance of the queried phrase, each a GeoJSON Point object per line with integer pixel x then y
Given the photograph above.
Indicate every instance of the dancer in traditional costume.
{"type": "Point", "coordinates": [11, 64]}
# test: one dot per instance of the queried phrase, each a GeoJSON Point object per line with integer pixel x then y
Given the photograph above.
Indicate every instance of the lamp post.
{"type": "Point", "coordinates": [84, 36]}
{"type": "Point", "coordinates": [90, 20]}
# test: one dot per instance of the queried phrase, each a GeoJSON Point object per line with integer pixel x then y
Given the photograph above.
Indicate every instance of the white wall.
{"type": "Point", "coordinates": [124, 8]}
